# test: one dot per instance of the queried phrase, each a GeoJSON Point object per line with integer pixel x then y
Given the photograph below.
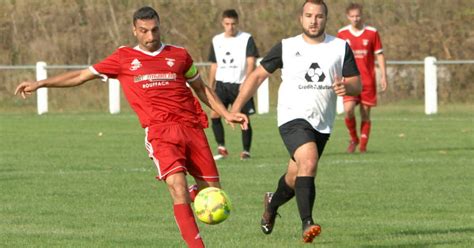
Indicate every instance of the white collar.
{"type": "Point", "coordinates": [356, 33]}
{"type": "Point", "coordinates": [137, 47]}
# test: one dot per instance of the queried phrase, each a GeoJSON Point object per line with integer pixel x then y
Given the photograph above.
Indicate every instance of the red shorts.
{"type": "Point", "coordinates": [178, 148]}
{"type": "Point", "coordinates": [368, 96]}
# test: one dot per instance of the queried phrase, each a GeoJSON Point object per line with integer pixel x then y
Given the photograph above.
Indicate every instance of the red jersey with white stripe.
{"type": "Point", "coordinates": [364, 44]}
{"type": "Point", "coordinates": [154, 83]}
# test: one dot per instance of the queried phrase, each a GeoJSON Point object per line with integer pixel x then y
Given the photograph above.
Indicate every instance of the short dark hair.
{"type": "Point", "coordinates": [145, 13]}
{"type": "Point", "coordinates": [318, 2]}
{"type": "Point", "coordinates": [230, 13]}
{"type": "Point", "coordinates": [352, 6]}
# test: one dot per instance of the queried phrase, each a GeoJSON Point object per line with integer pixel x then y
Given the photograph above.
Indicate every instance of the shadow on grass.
{"type": "Point", "coordinates": [356, 153]}
{"type": "Point", "coordinates": [423, 244]}
{"type": "Point", "coordinates": [427, 243]}
{"type": "Point", "coordinates": [436, 231]}
{"type": "Point", "coordinates": [388, 151]}
{"type": "Point", "coordinates": [444, 149]}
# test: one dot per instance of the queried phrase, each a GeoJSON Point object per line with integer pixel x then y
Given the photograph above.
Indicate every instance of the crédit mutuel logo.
{"type": "Point", "coordinates": [228, 59]}
{"type": "Point", "coordinates": [313, 76]}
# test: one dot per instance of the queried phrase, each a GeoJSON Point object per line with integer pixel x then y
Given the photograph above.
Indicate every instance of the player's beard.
{"type": "Point", "coordinates": [314, 36]}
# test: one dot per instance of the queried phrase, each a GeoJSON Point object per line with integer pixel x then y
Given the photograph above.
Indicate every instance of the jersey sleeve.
{"type": "Point", "coordinates": [191, 72]}
{"type": "Point", "coordinates": [212, 54]}
{"type": "Point", "coordinates": [349, 66]}
{"type": "Point", "coordinates": [252, 50]}
{"type": "Point", "coordinates": [273, 60]}
{"type": "Point", "coordinates": [377, 44]}
{"type": "Point", "coordinates": [107, 68]}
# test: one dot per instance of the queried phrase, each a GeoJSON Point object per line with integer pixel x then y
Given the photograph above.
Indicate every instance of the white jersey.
{"type": "Point", "coordinates": [308, 72]}
{"type": "Point", "coordinates": [231, 57]}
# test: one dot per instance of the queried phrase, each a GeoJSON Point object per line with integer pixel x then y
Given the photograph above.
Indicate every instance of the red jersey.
{"type": "Point", "coordinates": [155, 83]}
{"type": "Point", "coordinates": [364, 44]}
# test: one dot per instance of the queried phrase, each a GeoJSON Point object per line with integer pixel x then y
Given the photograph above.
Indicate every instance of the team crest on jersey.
{"type": "Point", "coordinates": [365, 42]}
{"type": "Point", "coordinates": [170, 62]}
{"type": "Point", "coordinates": [314, 74]}
{"type": "Point", "coordinates": [135, 65]}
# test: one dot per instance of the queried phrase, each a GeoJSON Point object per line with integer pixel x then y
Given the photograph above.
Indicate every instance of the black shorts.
{"type": "Point", "coordinates": [298, 132]}
{"type": "Point", "coordinates": [227, 93]}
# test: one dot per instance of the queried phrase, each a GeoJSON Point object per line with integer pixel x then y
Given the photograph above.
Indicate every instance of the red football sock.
{"type": "Point", "coordinates": [351, 126]}
{"type": "Point", "coordinates": [193, 191]}
{"type": "Point", "coordinates": [187, 225]}
{"type": "Point", "coordinates": [364, 133]}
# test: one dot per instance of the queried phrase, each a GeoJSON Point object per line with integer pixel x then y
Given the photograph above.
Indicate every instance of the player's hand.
{"type": "Point", "coordinates": [338, 86]}
{"type": "Point", "coordinates": [383, 84]}
{"type": "Point", "coordinates": [26, 88]}
{"type": "Point", "coordinates": [240, 118]}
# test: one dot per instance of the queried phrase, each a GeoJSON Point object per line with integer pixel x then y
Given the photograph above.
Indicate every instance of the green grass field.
{"type": "Point", "coordinates": [84, 180]}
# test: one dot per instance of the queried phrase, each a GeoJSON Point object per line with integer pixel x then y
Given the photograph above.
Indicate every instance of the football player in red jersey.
{"type": "Point", "coordinates": [366, 46]}
{"type": "Point", "coordinates": [154, 78]}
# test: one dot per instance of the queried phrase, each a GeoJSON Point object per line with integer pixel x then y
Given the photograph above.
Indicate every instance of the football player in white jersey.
{"type": "Point", "coordinates": [316, 68]}
{"type": "Point", "coordinates": [233, 54]}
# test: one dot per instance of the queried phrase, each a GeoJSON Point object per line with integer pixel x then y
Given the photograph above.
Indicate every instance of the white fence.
{"type": "Point", "coordinates": [263, 96]}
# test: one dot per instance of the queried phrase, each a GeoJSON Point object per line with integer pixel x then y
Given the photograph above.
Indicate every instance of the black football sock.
{"type": "Point", "coordinates": [282, 195]}
{"type": "Point", "coordinates": [305, 191]}
{"type": "Point", "coordinates": [247, 138]}
{"type": "Point", "coordinates": [218, 131]}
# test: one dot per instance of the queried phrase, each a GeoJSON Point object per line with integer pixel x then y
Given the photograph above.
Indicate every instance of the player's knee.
{"type": "Point", "coordinates": [179, 192]}
{"type": "Point", "coordinates": [349, 112]}
{"type": "Point", "coordinates": [307, 167]}
{"type": "Point", "coordinates": [181, 198]}
{"type": "Point", "coordinates": [290, 180]}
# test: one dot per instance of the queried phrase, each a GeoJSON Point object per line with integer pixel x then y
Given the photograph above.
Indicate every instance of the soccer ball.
{"type": "Point", "coordinates": [212, 205]}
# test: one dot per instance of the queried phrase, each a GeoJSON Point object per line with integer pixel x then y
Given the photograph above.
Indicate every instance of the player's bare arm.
{"type": "Point", "coordinates": [249, 68]}
{"type": "Point", "coordinates": [67, 79]}
{"type": "Point", "coordinates": [212, 76]}
{"type": "Point", "coordinates": [209, 97]}
{"type": "Point", "coordinates": [212, 84]}
{"type": "Point", "coordinates": [382, 65]}
{"type": "Point", "coordinates": [249, 87]}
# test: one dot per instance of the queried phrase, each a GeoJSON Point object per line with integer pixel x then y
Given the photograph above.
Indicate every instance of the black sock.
{"type": "Point", "coordinates": [247, 138]}
{"type": "Point", "coordinates": [305, 191]}
{"type": "Point", "coordinates": [218, 130]}
{"type": "Point", "coordinates": [283, 194]}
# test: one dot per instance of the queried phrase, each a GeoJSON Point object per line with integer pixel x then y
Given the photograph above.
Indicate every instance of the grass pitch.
{"type": "Point", "coordinates": [84, 180]}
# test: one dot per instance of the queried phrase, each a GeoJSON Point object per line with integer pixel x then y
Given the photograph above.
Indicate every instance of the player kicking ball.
{"type": "Point", "coordinates": [154, 78]}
